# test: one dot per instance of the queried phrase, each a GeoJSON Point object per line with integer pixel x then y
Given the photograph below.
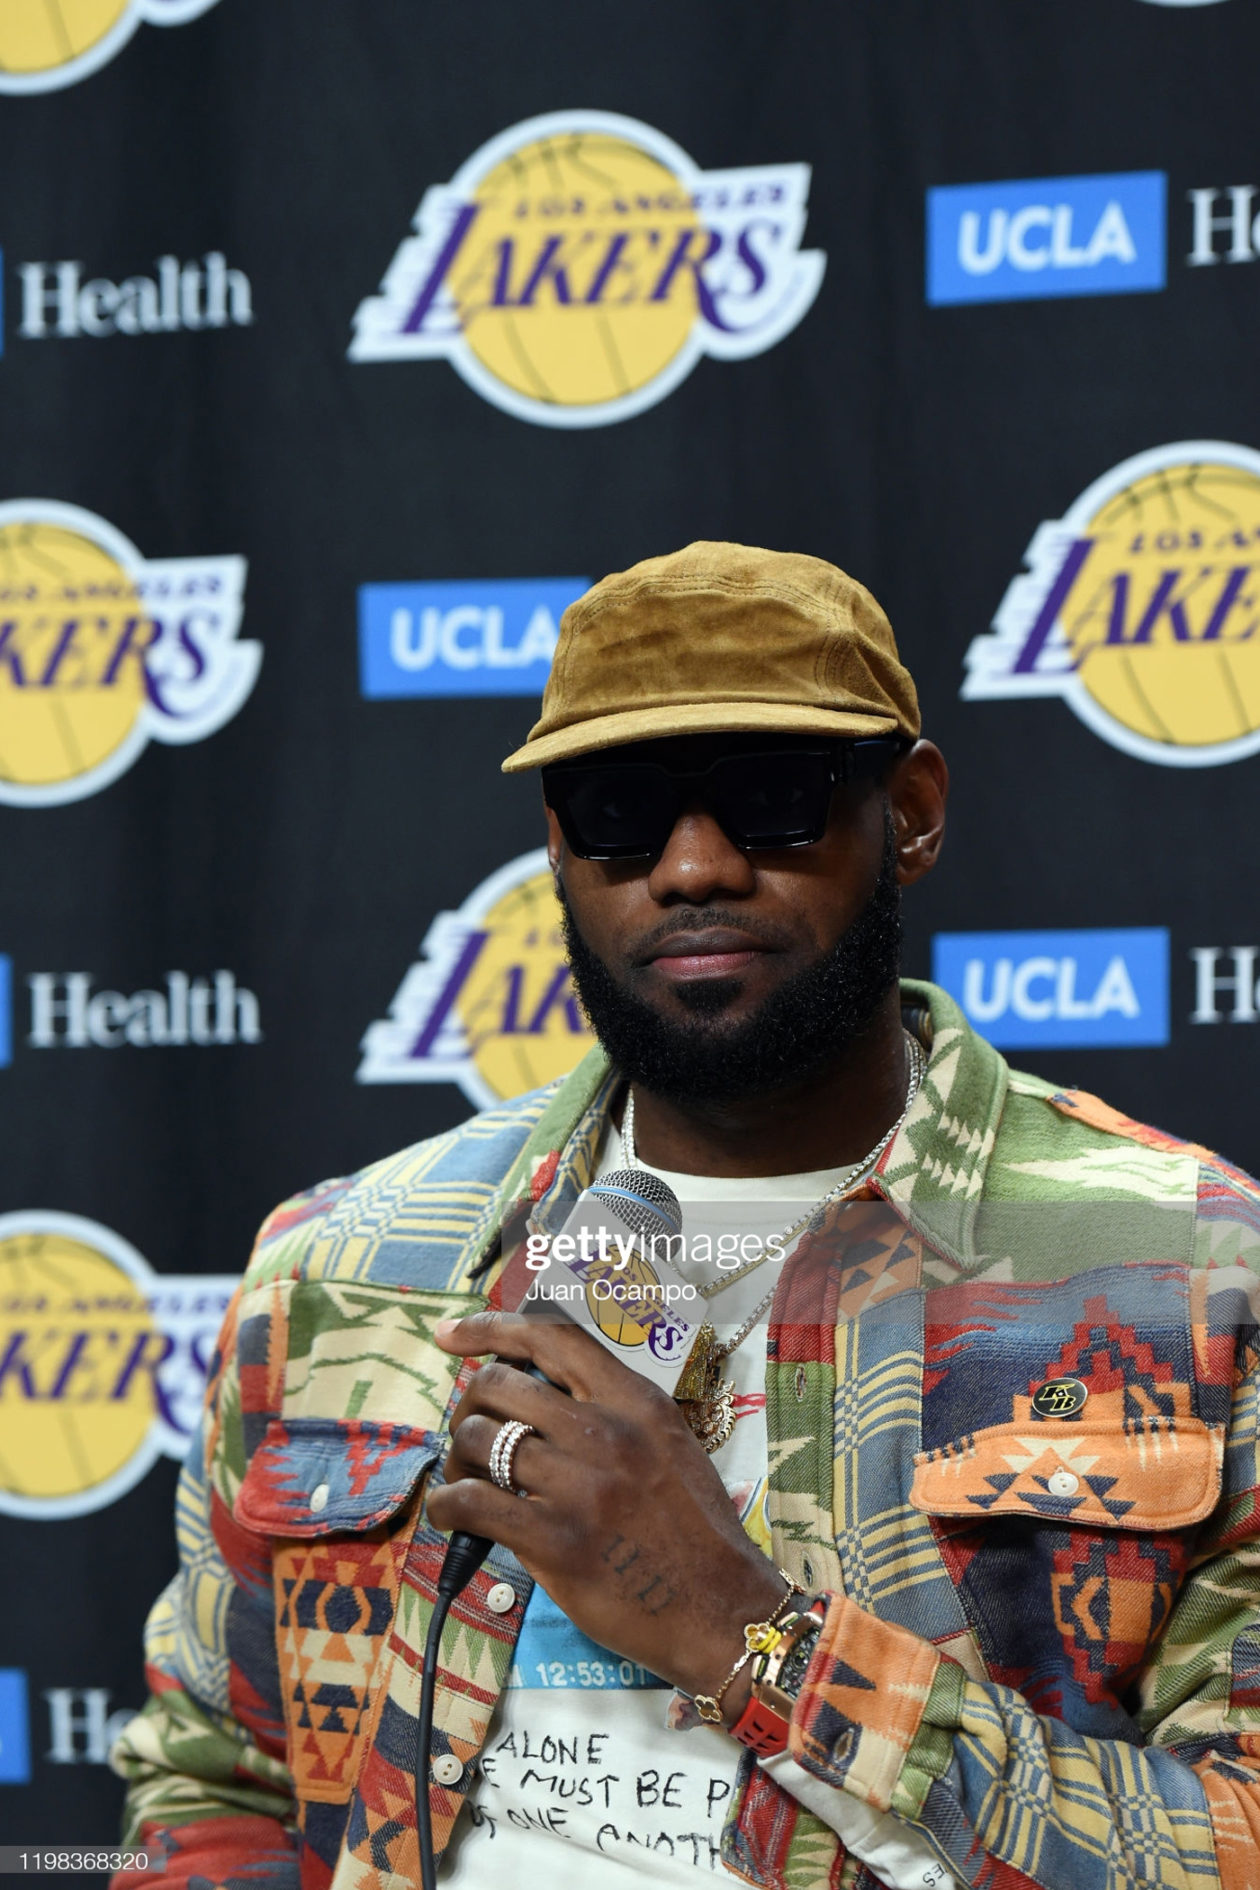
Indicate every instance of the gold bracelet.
{"type": "Point", "coordinates": [756, 1635]}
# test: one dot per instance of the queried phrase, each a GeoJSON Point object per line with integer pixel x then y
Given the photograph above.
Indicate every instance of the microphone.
{"type": "Point", "coordinates": [631, 1202]}
{"type": "Point", "coordinates": [639, 1199]}
{"type": "Point", "coordinates": [613, 1280]}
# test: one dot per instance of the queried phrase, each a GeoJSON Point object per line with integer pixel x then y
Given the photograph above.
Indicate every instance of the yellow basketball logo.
{"type": "Point", "coordinates": [102, 1364]}
{"type": "Point", "coordinates": [577, 267]}
{"type": "Point", "coordinates": [102, 650]}
{"type": "Point", "coordinates": [45, 44]}
{"type": "Point", "coordinates": [1141, 608]}
{"type": "Point", "coordinates": [490, 1005]}
{"type": "Point", "coordinates": [624, 1298]}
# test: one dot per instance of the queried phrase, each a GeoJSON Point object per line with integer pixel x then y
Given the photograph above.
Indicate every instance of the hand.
{"type": "Point", "coordinates": [628, 1525]}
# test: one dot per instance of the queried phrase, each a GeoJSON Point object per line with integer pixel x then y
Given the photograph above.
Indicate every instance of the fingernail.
{"type": "Point", "coordinates": [444, 1328]}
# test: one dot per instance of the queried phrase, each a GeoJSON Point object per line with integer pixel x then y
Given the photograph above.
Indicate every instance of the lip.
{"type": "Point", "coordinates": [714, 954]}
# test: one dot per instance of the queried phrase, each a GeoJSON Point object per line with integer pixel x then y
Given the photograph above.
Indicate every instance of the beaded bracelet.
{"type": "Point", "coordinates": [756, 1634]}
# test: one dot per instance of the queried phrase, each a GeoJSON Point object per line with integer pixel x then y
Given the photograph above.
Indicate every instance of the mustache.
{"type": "Point", "coordinates": [705, 919]}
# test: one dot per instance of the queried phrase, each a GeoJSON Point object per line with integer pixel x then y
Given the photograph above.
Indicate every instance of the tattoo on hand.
{"type": "Point", "coordinates": [629, 1553]}
{"type": "Point", "coordinates": [632, 1555]}
{"type": "Point", "coordinates": [665, 1599]}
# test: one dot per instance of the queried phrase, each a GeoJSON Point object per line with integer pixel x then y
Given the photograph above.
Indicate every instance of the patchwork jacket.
{"type": "Point", "coordinates": [1042, 1651]}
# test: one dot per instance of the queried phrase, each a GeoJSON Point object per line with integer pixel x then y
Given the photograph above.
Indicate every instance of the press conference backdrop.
{"type": "Point", "coordinates": [342, 346]}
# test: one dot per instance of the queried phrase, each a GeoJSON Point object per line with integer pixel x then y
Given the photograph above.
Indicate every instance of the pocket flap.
{"type": "Point", "coordinates": [323, 1476]}
{"type": "Point", "coordinates": [1140, 1476]}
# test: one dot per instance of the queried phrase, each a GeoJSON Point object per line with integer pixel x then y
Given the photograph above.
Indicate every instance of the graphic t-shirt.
{"type": "Point", "coordinates": [582, 1785]}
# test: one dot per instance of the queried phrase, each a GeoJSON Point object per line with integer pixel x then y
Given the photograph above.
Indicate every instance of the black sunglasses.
{"type": "Point", "coordinates": [776, 797]}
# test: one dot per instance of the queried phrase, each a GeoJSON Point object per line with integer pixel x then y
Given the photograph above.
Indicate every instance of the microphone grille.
{"type": "Point", "coordinates": [645, 1203]}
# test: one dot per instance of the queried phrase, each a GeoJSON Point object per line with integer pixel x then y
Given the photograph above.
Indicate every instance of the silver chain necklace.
{"type": "Point", "coordinates": [851, 1175]}
{"type": "Point", "coordinates": [706, 1397]}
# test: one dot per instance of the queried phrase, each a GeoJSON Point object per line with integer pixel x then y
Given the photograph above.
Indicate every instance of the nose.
{"type": "Point", "coordinates": [698, 863]}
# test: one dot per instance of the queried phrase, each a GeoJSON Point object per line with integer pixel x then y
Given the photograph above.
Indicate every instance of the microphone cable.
{"type": "Point", "coordinates": [644, 1204]}
{"type": "Point", "coordinates": [464, 1555]}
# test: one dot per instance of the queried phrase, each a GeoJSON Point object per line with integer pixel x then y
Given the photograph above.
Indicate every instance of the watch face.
{"type": "Point", "coordinates": [793, 1670]}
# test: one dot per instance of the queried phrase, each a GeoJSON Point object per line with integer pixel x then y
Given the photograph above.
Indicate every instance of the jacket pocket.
{"type": "Point", "coordinates": [322, 1476]}
{"type": "Point", "coordinates": [1069, 1541]}
{"type": "Point", "coordinates": [1156, 1476]}
{"type": "Point", "coordinates": [356, 1395]}
{"type": "Point", "coordinates": [340, 1499]}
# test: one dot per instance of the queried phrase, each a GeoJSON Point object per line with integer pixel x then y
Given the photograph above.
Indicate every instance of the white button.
{"type": "Point", "coordinates": [319, 1498]}
{"type": "Point", "coordinates": [447, 1770]}
{"type": "Point", "coordinates": [1063, 1483]}
{"type": "Point", "coordinates": [501, 1597]}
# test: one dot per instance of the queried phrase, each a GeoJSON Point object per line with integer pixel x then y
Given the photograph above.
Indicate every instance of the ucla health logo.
{"type": "Point", "coordinates": [1059, 990]}
{"type": "Point", "coordinates": [102, 650]}
{"type": "Point", "coordinates": [1044, 236]}
{"type": "Point", "coordinates": [486, 637]}
{"type": "Point", "coordinates": [58, 304]}
{"type": "Point", "coordinates": [577, 267]}
{"type": "Point", "coordinates": [1140, 608]}
{"type": "Point", "coordinates": [45, 44]}
{"type": "Point", "coordinates": [103, 1363]}
{"type": "Point", "coordinates": [489, 1004]}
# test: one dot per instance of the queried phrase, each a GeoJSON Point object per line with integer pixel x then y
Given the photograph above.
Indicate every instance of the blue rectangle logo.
{"type": "Point", "coordinates": [1059, 990]}
{"type": "Point", "coordinates": [15, 1738]}
{"type": "Point", "coordinates": [6, 1010]}
{"type": "Point", "coordinates": [1040, 236]}
{"type": "Point", "coordinates": [482, 637]}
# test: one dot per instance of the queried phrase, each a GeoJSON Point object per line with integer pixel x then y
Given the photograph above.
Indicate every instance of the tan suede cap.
{"type": "Point", "coordinates": [720, 637]}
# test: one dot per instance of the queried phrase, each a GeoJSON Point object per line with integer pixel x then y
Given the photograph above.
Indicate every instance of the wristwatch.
{"type": "Point", "coordinates": [777, 1675]}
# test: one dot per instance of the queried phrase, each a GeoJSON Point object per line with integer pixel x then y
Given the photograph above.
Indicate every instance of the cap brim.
{"type": "Point", "coordinates": [696, 718]}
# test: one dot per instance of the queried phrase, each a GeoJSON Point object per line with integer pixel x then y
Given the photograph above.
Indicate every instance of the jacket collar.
{"type": "Point", "coordinates": [935, 1171]}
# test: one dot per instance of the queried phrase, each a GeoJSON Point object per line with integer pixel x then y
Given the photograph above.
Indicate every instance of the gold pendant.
{"type": "Point", "coordinates": [712, 1420]}
{"type": "Point", "coordinates": [703, 1370]}
{"type": "Point", "coordinates": [706, 1398]}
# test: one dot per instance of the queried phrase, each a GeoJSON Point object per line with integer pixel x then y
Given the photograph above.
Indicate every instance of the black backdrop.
{"type": "Point", "coordinates": [308, 843]}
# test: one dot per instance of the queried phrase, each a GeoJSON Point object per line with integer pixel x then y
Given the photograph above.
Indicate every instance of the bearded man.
{"type": "Point", "coordinates": [947, 1566]}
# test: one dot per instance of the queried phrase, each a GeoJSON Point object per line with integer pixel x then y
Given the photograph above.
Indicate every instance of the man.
{"type": "Point", "coordinates": [990, 1429]}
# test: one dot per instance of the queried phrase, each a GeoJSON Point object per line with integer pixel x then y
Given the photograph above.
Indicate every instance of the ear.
{"type": "Point", "coordinates": [555, 841]}
{"type": "Point", "coordinates": [917, 791]}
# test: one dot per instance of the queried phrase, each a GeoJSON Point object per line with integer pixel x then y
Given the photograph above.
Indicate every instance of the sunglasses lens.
{"type": "Point", "coordinates": [615, 813]}
{"type": "Point", "coordinates": [773, 800]}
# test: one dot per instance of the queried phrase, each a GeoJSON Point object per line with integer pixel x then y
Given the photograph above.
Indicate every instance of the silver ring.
{"type": "Point", "coordinates": [503, 1451]}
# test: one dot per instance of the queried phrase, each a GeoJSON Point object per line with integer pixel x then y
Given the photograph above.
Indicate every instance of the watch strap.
{"type": "Point", "coordinates": [761, 1729]}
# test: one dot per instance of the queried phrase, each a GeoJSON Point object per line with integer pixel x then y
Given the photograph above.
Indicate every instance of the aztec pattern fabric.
{"type": "Point", "coordinates": [1042, 1649]}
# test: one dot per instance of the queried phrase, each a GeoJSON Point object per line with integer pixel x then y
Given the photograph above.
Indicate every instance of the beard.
{"type": "Point", "coordinates": [808, 1022]}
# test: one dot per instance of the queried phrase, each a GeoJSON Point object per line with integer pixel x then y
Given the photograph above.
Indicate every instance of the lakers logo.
{"type": "Point", "coordinates": [45, 44]}
{"type": "Point", "coordinates": [577, 267]}
{"type": "Point", "coordinates": [102, 650]}
{"type": "Point", "coordinates": [102, 1364]}
{"type": "Point", "coordinates": [490, 1005]}
{"type": "Point", "coordinates": [1141, 607]}
{"type": "Point", "coordinates": [623, 1296]}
